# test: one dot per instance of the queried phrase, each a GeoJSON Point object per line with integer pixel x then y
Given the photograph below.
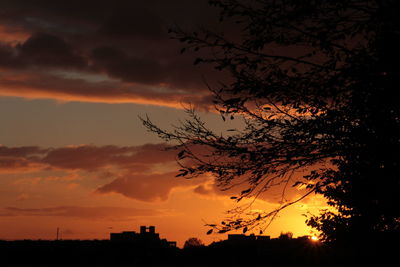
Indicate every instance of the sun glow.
{"type": "Point", "coordinates": [314, 238]}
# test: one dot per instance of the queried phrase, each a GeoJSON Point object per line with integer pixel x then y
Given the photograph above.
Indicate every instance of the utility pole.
{"type": "Point", "coordinates": [58, 231]}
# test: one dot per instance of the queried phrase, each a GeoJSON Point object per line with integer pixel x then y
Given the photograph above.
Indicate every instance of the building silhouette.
{"type": "Point", "coordinates": [146, 236]}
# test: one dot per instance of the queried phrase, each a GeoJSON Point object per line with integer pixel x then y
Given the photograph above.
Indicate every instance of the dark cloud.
{"type": "Point", "coordinates": [136, 172]}
{"type": "Point", "coordinates": [204, 189]}
{"type": "Point", "coordinates": [140, 23]}
{"type": "Point", "coordinates": [79, 88]}
{"type": "Point", "coordinates": [11, 164]}
{"type": "Point", "coordinates": [155, 187]}
{"type": "Point", "coordinates": [85, 157]}
{"type": "Point", "coordinates": [132, 171]}
{"type": "Point", "coordinates": [24, 151]}
{"type": "Point", "coordinates": [43, 49]}
{"type": "Point", "coordinates": [19, 159]}
{"type": "Point", "coordinates": [99, 12]}
{"type": "Point", "coordinates": [119, 65]}
{"type": "Point", "coordinates": [7, 57]}
{"type": "Point", "coordinates": [92, 157]}
{"type": "Point", "coordinates": [125, 40]}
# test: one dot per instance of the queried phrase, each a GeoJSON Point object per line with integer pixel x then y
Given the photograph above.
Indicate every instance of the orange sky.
{"type": "Point", "coordinates": [73, 152]}
{"type": "Point", "coordinates": [90, 190]}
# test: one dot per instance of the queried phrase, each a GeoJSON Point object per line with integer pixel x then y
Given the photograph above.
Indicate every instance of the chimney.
{"type": "Point", "coordinates": [152, 229]}
{"type": "Point", "coordinates": [142, 230]}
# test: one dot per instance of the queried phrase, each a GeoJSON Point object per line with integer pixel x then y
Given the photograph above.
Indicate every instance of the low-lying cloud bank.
{"type": "Point", "coordinates": [145, 172]}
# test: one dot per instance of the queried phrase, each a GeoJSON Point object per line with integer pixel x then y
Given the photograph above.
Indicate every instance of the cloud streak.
{"type": "Point", "coordinates": [156, 187]}
{"type": "Point", "coordinates": [105, 212]}
{"type": "Point", "coordinates": [84, 157]}
{"type": "Point", "coordinates": [54, 86]}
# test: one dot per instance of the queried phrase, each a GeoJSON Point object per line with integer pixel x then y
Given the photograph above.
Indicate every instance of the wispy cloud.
{"type": "Point", "coordinates": [105, 212]}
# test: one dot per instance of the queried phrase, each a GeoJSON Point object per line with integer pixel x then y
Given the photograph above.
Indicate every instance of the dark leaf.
{"type": "Point", "coordinates": [197, 61]}
{"type": "Point", "coordinates": [180, 154]}
{"type": "Point", "coordinates": [245, 191]}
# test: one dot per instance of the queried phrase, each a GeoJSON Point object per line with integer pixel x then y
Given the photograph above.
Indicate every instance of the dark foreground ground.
{"type": "Point", "coordinates": [273, 253]}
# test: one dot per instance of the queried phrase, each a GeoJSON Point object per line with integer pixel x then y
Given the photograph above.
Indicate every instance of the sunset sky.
{"type": "Point", "coordinates": [74, 77]}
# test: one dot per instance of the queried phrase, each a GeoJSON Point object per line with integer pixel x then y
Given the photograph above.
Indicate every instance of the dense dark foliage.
{"type": "Point", "coordinates": [316, 82]}
{"type": "Point", "coordinates": [193, 242]}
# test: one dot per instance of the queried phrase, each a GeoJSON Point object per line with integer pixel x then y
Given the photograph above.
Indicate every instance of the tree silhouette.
{"type": "Point", "coordinates": [286, 236]}
{"type": "Point", "coordinates": [193, 242]}
{"type": "Point", "coordinates": [316, 84]}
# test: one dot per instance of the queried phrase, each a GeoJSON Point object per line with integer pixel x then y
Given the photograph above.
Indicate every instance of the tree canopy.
{"type": "Point", "coordinates": [193, 242]}
{"type": "Point", "coordinates": [316, 84]}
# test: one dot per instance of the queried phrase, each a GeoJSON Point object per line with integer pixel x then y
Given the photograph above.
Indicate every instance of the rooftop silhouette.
{"type": "Point", "coordinates": [146, 248]}
{"type": "Point", "coordinates": [146, 236]}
